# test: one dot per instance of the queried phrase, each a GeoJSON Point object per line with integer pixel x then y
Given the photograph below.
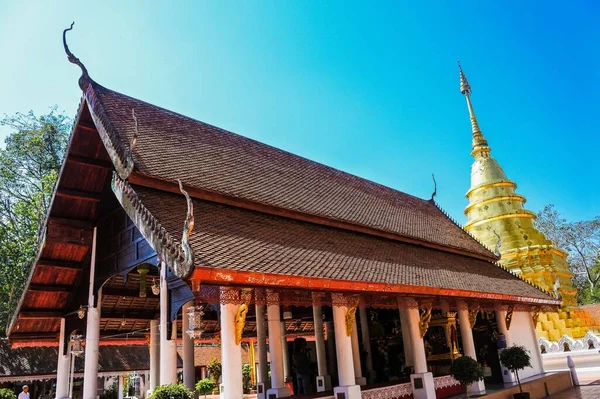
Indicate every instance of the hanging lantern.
{"type": "Point", "coordinates": [123, 322]}
{"type": "Point", "coordinates": [143, 269]}
{"type": "Point", "coordinates": [155, 287]}
{"type": "Point", "coordinates": [76, 344]}
{"type": "Point", "coordinates": [81, 312]}
{"type": "Point", "coordinates": [195, 314]}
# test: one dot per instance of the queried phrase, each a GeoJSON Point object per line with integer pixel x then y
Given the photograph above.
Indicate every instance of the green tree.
{"type": "Point", "coordinates": [582, 242]}
{"type": "Point", "coordinates": [29, 166]}
{"type": "Point", "coordinates": [467, 371]}
{"type": "Point", "coordinates": [205, 386]}
{"type": "Point", "coordinates": [516, 358]}
{"type": "Point", "coordinates": [215, 369]}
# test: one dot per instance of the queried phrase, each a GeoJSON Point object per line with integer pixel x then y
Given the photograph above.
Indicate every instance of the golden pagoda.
{"type": "Point", "coordinates": [497, 218]}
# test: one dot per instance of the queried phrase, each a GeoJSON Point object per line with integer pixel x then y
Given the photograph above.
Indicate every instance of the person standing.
{"type": "Point", "coordinates": [24, 393]}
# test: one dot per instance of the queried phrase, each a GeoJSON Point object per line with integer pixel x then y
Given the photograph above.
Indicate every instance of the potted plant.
{"type": "Point", "coordinates": [467, 371]}
{"type": "Point", "coordinates": [205, 386]}
{"type": "Point", "coordinates": [516, 358]}
{"type": "Point", "coordinates": [6, 393]}
{"type": "Point", "coordinates": [215, 370]}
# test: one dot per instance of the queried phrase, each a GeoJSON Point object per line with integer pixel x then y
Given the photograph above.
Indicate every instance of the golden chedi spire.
{"type": "Point", "coordinates": [496, 215]}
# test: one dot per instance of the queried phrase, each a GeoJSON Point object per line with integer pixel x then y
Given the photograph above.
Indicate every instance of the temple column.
{"type": "Point", "coordinates": [120, 386]}
{"type": "Point", "coordinates": [358, 377]}
{"type": "Point", "coordinates": [168, 347]}
{"type": "Point", "coordinates": [331, 359]}
{"type": "Point", "coordinates": [501, 311]}
{"type": "Point", "coordinates": [466, 334]}
{"type": "Point", "coordinates": [232, 386]}
{"type": "Point", "coordinates": [285, 351]}
{"type": "Point", "coordinates": [62, 368]}
{"type": "Point", "coordinates": [189, 372]}
{"type": "Point", "coordinates": [422, 380]}
{"type": "Point", "coordinates": [278, 387]}
{"type": "Point", "coordinates": [154, 355]}
{"type": "Point", "coordinates": [323, 378]}
{"type": "Point", "coordinates": [343, 343]}
{"type": "Point", "coordinates": [366, 340]}
{"type": "Point", "coordinates": [406, 340]}
{"type": "Point", "coordinates": [262, 375]}
{"type": "Point", "coordinates": [92, 332]}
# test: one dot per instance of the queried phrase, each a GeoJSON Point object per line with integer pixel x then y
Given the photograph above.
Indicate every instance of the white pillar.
{"type": "Point", "coordinates": [189, 371]}
{"type": "Point", "coordinates": [276, 351]}
{"type": "Point", "coordinates": [422, 380]}
{"type": "Point", "coordinates": [231, 353]}
{"type": "Point", "coordinates": [168, 348]}
{"type": "Point", "coordinates": [262, 376]}
{"type": "Point", "coordinates": [323, 378]}
{"type": "Point", "coordinates": [358, 377]}
{"type": "Point", "coordinates": [285, 350]}
{"type": "Point", "coordinates": [120, 386]}
{"type": "Point", "coordinates": [62, 368]}
{"type": "Point", "coordinates": [507, 376]}
{"type": "Point", "coordinates": [366, 339]}
{"type": "Point", "coordinates": [466, 334]}
{"type": "Point", "coordinates": [406, 340]}
{"type": "Point", "coordinates": [154, 355]}
{"type": "Point", "coordinates": [92, 332]}
{"type": "Point", "coordinates": [261, 338]}
{"type": "Point", "coordinates": [345, 362]}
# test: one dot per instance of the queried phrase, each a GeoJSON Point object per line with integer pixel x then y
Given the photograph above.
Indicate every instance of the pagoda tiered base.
{"type": "Point", "coordinates": [569, 321]}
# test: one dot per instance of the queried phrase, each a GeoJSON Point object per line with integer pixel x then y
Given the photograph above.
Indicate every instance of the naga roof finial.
{"type": "Point", "coordinates": [184, 268]}
{"type": "Point", "coordinates": [434, 187]}
{"type": "Point", "coordinates": [498, 245]}
{"type": "Point", "coordinates": [84, 80]}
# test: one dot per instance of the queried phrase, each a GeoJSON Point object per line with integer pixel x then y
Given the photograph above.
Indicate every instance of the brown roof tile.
{"type": "Point", "coordinates": [226, 237]}
{"type": "Point", "coordinates": [172, 146]}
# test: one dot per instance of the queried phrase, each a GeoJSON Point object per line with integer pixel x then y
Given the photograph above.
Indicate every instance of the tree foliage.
{"type": "Point", "coordinates": [205, 386]}
{"type": "Point", "coordinates": [6, 393]}
{"type": "Point", "coordinates": [29, 166]}
{"type": "Point", "coordinates": [467, 371]}
{"type": "Point", "coordinates": [215, 369]}
{"type": "Point", "coordinates": [582, 242]}
{"type": "Point", "coordinates": [172, 391]}
{"type": "Point", "coordinates": [515, 358]}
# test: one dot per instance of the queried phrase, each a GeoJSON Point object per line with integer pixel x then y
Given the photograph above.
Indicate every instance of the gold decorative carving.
{"type": "Point", "coordinates": [509, 315]}
{"type": "Point", "coordinates": [425, 318]}
{"type": "Point", "coordinates": [240, 318]}
{"type": "Point", "coordinates": [534, 316]}
{"type": "Point", "coordinates": [473, 316]}
{"type": "Point", "coordinates": [351, 316]}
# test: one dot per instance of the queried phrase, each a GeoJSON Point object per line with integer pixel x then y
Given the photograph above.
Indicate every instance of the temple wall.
{"type": "Point", "coordinates": [522, 333]}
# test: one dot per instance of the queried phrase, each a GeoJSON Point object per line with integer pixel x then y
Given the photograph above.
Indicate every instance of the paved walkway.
{"type": "Point", "coordinates": [583, 392]}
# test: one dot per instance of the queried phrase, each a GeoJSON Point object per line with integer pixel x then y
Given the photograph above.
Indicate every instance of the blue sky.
{"type": "Point", "coordinates": [367, 87]}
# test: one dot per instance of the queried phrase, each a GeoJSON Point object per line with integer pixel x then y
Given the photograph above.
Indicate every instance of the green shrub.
{"type": "Point", "coordinates": [205, 386]}
{"type": "Point", "coordinates": [215, 369]}
{"type": "Point", "coordinates": [246, 370]}
{"type": "Point", "coordinates": [7, 394]}
{"type": "Point", "coordinates": [172, 391]}
{"type": "Point", "coordinates": [515, 358]}
{"type": "Point", "coordinates": [466, 370]}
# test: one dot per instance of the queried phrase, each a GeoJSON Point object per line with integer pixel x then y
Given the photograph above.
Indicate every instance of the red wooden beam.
{"type": "Point", "coordinates": [40, 315]}
{"type": "Point", "coordinates": [60, 265]}
{"type": "Point", "coordinates": [100, 163]}
{"type": "Point", "coordinates": [77, 194]}
{"type": "Point", "coordinates": [63, 289]}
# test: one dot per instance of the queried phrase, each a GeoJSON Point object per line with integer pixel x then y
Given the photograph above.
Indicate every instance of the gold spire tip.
{"type": "Point", "coordinates": [465, 87]}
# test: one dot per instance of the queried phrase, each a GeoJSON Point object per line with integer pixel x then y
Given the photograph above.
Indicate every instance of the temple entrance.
{"type": "Point", "coordinates": [485, 334]}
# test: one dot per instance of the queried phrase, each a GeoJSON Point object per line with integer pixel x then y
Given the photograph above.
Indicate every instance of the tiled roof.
{"type": "Point", "coordinates": [171, 146]}
{"type": "Point", "coordinates": [232, 238]}
{"type": "Point", "coordinates": [30, 361]}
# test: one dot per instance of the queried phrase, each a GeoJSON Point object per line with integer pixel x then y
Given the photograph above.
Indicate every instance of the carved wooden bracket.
{"type": "Point", "coordinates": [509, 315]}
{"type": "Point", "coordinates": [240, 316]}
{"type": "Point", "coordinates": [425, 318]}
{"type": "Point", "coordinates": [535, 313]}
{"type": "Point", "coordinates": [351, 316]}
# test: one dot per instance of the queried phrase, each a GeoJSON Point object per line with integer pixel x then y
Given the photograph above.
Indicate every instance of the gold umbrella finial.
{"type": "Point", "coordinates": [479, 143]}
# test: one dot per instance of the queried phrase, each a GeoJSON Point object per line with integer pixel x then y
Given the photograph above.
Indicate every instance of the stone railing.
{"type": "Point", "coordinates": [390, 392]}
{"type": "Point", "coordinates": [581, 344]}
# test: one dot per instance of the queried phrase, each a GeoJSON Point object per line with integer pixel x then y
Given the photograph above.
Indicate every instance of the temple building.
{"type": "Point", "coordinates": [496, 216]}
{"type": "Point", "coordinates": [170, 231]}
